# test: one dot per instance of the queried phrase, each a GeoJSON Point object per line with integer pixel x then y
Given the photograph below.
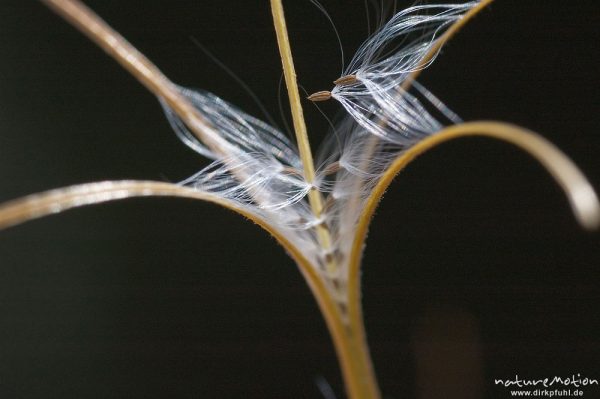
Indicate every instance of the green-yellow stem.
{"type": "Point", "coordinates": [292, 87]}
{"type": "Point", "coordinates": [351, 347]}
{"type": "Point", "coordinates": [283, 41]}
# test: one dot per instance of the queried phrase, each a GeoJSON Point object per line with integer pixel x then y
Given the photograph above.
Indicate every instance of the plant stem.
{"type": "Point", "coordinates": [116, 46]}
{"type": "Point", "coordinates": [354, 301]}
{"type": "Point", "coordinates": [582, 197]}
{"type": "Point", "coordinates": [292, 87]}
{"type": "Point", "coordinates": [351, 346]}
{"type": "Point", "coordinates": [283, 41]}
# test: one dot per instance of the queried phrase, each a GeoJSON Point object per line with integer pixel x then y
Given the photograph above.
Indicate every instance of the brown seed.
{"type": "Point", "coordinates": [345, 80]}
{"type": "Point", "coordinates": [320, 96]}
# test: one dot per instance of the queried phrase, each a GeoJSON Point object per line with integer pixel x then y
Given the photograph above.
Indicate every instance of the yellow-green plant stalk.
{"type": "Point", "coordinates": [317, 207]}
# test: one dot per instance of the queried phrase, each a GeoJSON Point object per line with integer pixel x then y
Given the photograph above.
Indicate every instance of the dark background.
{"type": "Point", "coordinates": [473, 251]}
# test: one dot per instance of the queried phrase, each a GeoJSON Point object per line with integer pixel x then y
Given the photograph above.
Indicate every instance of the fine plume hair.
{"type": "Point", "coordinates": [317, 207]}
{"type": "Point", "coordinates": [262, 172]}
{"type": "Point", "coordinates": [378, 89]}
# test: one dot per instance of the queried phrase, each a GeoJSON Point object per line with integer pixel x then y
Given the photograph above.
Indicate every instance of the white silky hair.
{"type": "Point", "coordinates": [263, 173]}
{"type": "Point", "coordinates": [375, 98]}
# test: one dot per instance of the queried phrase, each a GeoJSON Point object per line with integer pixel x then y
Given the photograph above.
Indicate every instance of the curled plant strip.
{"type": "Point", "coordinates": [318, 209]}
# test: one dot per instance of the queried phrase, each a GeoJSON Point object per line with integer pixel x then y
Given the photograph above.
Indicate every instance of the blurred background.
{"type": "Point", "coordinates": [474, 268]}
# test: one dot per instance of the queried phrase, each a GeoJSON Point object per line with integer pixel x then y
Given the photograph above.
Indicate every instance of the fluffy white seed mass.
{"type": "Point", "coordinates": [263, 173]}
